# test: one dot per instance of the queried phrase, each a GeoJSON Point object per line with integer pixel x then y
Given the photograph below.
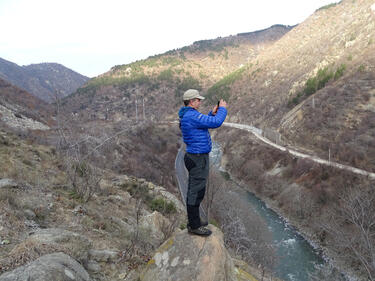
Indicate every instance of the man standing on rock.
{"type": "Point", "coordinates": [194, 127]}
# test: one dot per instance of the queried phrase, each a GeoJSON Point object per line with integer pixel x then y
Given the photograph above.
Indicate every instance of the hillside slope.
{"type": "Point", "coordinates": [160, 81]}
{"type": "Point", "coordinates": [316, 85]}
{"type": "Point", "coordinates": [19, 109]}
{"type": "Point", "coordinates": [43, 80]}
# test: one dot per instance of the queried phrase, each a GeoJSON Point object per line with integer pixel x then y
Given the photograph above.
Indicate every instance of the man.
{"type": "Point", "coordinates": [194, 127]}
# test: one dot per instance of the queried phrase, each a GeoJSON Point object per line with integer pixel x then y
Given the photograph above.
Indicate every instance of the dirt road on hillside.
{"type": "Point", "coordinates": [256, 133]}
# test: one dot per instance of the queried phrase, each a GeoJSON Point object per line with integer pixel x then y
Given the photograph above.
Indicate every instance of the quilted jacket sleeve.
{"type": "Point", "coordinates": [210, 121]}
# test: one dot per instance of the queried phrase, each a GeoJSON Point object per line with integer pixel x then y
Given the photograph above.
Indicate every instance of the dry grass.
{"type": "Point", "coordinates": [27, 252]}
{"type": "Point", "coordinates": [28, 163]}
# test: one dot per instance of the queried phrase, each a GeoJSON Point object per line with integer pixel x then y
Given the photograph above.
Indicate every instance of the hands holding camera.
{"type": "Point", "coordinates": [219, 104]}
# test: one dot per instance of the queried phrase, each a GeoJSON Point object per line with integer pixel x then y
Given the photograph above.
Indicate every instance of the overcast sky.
{"type": "Point", "coordinates": [91, 36]}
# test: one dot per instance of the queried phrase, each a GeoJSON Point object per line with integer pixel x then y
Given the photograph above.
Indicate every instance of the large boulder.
{"type": "Point", "coordinates": [154, 224]}
{"type": "Point", "coordinates": [190, 257]}
{"type": "Point", "coordinates": [56, 266]}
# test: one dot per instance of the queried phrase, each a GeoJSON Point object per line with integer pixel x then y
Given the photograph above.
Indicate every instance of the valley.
{"type": "Point", "coordinates": [92, 170]}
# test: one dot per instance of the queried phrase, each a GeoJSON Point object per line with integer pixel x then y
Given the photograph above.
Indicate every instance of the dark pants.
{"type": "Point", "coordinates": [198, 167]}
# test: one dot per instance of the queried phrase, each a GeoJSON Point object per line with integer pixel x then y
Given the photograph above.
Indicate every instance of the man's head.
{"type": "Point", "coordinates": [192, 98]}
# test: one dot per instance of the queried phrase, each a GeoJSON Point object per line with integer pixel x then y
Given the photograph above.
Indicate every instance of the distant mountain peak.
{"type": "Point", "coordinates": [43, 80]}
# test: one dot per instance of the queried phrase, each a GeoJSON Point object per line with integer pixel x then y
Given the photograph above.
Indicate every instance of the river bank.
{"type": "Point", "coordinates": [302, 229]}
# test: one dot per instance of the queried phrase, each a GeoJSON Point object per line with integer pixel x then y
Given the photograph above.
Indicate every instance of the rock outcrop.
{"type": "Point", "coordinates": [8, 183]}
{"type": "Point", "coordinates": [190, 257]}
{"type": "Point", "coordinates": [56, 266]}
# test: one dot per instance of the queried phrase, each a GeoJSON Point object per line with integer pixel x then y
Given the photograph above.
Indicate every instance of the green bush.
{"type": "Point", "coordinates": [294, 101]}
{"type": "Point", "coordinates": [226, 54]}
{"type": "Point", "coordinates": [166, 75]}
{"type": "Point", "coordinates": [203, 75]}
{"type": "Point", "coordinates": [172, 61]}
{"type": "Point", "coordinates": [188, 82]}
{"type": "Point", "coordinates": [361, 68]}
{"type": "Point", "coordinates": [328, 6]}
{"type": "Point", "coordinates": [323, 76]}
{"type": "Point", "coordinates": [162, 206]}
{"type": "Point", "coordinates": [316, 83]}
{"type": "Point", "coordinates": [211, 45]}
{"type": "Point", "coordinates": [138, 191]}
{"type": "Point", "coordinates": [220, 90]}
{"type": "Point", "coordinates": [310, 86]}
{"type": "Point", "coordinates": [81, 168]}
{"type": "Point", "coordinates": [340, 71]}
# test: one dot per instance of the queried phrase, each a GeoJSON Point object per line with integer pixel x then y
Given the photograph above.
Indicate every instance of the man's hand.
{"type": "Point", "coordinates": [221, 103]}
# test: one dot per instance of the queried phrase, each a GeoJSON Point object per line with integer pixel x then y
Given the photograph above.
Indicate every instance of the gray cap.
{"type": "Point", "coordinates": [192, 94]}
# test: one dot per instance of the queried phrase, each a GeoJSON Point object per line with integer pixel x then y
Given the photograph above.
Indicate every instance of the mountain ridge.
{"type": "Point", "coordinates": [44, 80]}
{"type": "Point", "coordinates": [164, 77]}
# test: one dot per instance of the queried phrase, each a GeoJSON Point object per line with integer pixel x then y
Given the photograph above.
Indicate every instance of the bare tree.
{"type": "Point", "coordinates": [352, 224]}
{"type": "Point", "coordinates": [76, 149]}
{"type": "Point", "coordinates": [138, 245]}
{"type": "Point", "coordinates": [326, 273]}
{"type": "Point", "coordinates": [245, 233]}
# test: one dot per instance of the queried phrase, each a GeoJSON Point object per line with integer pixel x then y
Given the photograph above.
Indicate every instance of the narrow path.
{"type": "Point", "coordinates": [256, 133]}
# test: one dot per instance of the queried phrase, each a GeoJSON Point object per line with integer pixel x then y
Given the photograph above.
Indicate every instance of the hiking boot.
{"type": "Point", "coordinates": [202, 231]}
{"type": "Point", "coordinates": [203, 223]}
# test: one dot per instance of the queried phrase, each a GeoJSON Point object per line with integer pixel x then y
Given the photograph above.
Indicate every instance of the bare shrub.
{"type": "Point", "coordinates": [83, 177]}
{"type": "Point", "coordinates": [302, 167]}
{"type": "Point", "coordinates": [271, 186]}
{"type": "Point", "coordinates": [80, 154]}
{"type": "Point", "coordinates": [169, 227]}
{"type": "Point", "coordinates": [326, 273]}
{"type": "Point", "coordinates": [9, 198]}
{"type": "Point", "coordinates": [252, 170]}
{"type": "Point", "coordinates": [352, 224]}
{"type": "Point", "coordinates": [245, 233]}
{"type": "Point", "coordinates": [138, 245]}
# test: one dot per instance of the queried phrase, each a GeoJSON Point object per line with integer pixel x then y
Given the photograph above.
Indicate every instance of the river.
{"type": "Point", "coordinates": [296, 257]}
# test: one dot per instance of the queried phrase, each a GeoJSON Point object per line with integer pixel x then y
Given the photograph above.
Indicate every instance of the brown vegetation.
{"type": "Point", "coordinates": [26, 104]}
{"type": "Point", "coordinates": [44, 198]}
{"type": "Point", "coordinates": [330, 205]}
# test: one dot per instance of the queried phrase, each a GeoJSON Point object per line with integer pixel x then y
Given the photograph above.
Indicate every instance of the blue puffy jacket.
{"type": "Point", "coordinates": [194, 127]}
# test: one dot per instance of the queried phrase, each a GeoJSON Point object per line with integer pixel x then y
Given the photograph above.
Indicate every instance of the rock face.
{"type": "Point", "coordinates": [56, 266]}
{"type": "Point", "coordinates": [190, 257]}
{"type": "Point", "coordinates": [8, 183]}
{"type": "Point", "coordinates": [19, 121]}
